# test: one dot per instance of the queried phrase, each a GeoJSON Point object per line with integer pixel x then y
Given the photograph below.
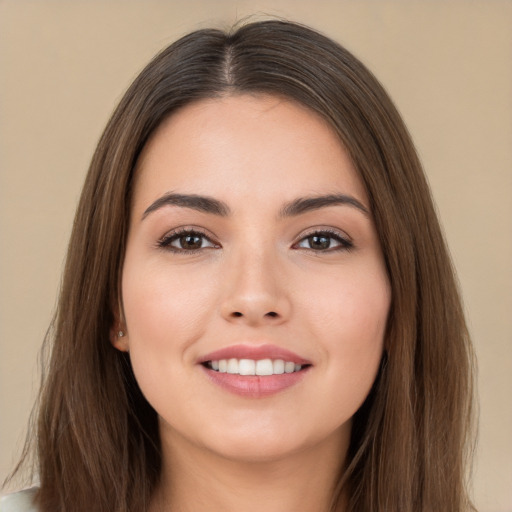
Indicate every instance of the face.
{"type": "Point", "coordinates": [254, 290]}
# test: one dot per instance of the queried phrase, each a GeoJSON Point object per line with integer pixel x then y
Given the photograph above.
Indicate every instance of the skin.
{"type": "Point", "coordinates": [255, 279]}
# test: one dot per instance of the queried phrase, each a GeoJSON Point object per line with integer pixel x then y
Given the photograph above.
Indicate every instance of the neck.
{"type": "Point", "coordinates": [199, 480]}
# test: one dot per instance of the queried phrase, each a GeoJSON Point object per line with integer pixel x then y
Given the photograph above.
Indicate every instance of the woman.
{"type": "Point", "coordinates": [257, 301]}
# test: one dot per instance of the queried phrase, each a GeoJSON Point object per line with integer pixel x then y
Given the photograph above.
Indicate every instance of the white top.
{"type": "Point", "coordinates": [19, 501]}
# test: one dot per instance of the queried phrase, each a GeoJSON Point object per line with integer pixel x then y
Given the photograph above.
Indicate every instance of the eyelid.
{"type": "Point", "coordinates": [345, 241]}
{"type": "Point", "coordinates": [165, 241]}
{"type": "Point", "coordinates": [324, 229]}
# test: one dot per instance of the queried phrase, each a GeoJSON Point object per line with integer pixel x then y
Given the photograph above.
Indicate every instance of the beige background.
{"type": "Point", "coordinates": [447, 64]}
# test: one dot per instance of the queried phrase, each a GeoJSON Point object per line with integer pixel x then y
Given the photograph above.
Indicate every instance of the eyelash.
{"type": "Point", "coordinates": [345, 244]}
{"type": "Point", "coordinates": [165, 242]}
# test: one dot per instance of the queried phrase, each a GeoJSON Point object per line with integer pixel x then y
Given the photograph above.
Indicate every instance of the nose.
{"type": "Point", "coordinates": [255, 291]}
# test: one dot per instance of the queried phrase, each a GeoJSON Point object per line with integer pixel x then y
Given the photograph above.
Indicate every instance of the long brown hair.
{"type": "Point", "coordinates": [97, 437]}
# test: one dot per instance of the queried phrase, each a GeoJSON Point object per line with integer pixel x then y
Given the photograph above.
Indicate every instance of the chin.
{"type": "Point", "coordinates": [274, 443]}
{"type": "Point", "coordinates": [260, 450]}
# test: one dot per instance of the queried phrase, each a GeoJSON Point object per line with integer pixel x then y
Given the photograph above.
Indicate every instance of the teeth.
{"type": "Point", "coordinates": [251, 367]}
{"type": "Point", "coordinates": [232, 366]}
{"type": "Point", "coordinates": [247, 367]}
{"type": "Point", "coordinates": [278, 366]}
{"type": "Point", "coordinates": [289, 367]}
{"type": "Point", "coordinates": [264, 367]}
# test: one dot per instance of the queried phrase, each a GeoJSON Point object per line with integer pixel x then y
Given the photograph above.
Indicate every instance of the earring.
{"type": "Point", "coordinates": [120, 334]}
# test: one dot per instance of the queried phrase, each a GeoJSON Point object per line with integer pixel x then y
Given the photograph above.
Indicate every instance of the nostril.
{"type": "Point", "coordinates": [271, 314]}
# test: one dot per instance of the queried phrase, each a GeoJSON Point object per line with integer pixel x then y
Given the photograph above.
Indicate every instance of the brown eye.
{"type": "Point", "coordinates": [319, 242]}
{"type": "Point", "coordinates": [324, 241]}
{"type": "Point", "coordinates": [186, 241]}
{"type": "Point", "coordinates": [189, 242]}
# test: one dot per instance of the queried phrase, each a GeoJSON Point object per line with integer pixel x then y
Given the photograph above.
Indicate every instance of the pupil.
{"type": "Point", "coordinates": [319, 242]}
{"type": "Point", "coordinates": [191, 242]}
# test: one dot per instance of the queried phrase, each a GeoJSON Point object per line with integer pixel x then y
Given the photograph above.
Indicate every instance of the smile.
{"type": "Point", "coordinates": [254, 371]}
{"type": "Point", "coordinates": [254, 367]}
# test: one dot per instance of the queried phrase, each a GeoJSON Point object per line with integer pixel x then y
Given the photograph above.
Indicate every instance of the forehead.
{"type": "Point", "coordinates": [245, 147]}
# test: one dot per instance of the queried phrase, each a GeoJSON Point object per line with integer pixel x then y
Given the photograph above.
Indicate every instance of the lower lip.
{"type": "Point", "coordinates": [255, 386]}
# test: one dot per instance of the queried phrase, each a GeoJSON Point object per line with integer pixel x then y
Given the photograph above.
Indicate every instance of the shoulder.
{"type": "Point", "coordinates": [19, 501]}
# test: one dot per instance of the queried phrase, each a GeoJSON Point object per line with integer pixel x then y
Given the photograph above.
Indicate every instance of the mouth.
{"type": "Point", "coordinates": [255, 371]}
{"type": "Point", "coordinates": [260, 367]}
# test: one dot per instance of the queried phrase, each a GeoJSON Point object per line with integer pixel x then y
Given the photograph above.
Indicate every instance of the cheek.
{"type": "Point", "coordinates": [351, 307]}
{"type": "Point", "coordinates": [159, 299]}
{"type": "Point", "coordinates": [350, 318]}
{"type": "Point", "coordinates": [166, 311]}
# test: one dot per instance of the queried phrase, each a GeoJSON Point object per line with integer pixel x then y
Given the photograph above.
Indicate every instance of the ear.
{"type": "Point", "coordinates": [118, 332]}
{"type": "Point", "coordinates": [118, 335]}
{"type": "Point", "coordinates": [119, 338]}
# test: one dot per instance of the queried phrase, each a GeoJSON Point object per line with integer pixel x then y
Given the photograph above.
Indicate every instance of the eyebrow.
{"type": "Point", "coordinates": [306, 204]}
{"type": "Point", "coordinates": [214, 206]}
{"type": "Point", "coordinates": [195, 202]}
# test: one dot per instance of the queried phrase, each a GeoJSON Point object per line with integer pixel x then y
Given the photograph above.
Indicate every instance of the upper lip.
{"type": "Point", "coordinates": [255, 352]}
